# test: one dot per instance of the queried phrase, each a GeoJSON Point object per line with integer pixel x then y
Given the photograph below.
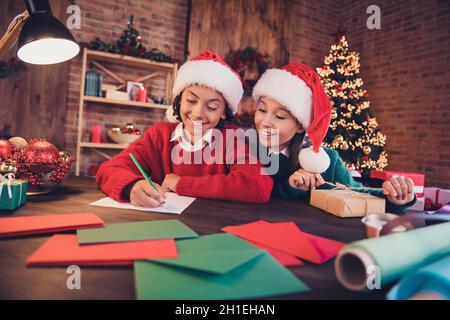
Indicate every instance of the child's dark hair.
{"type": "Point", "coordinates": [297, 143]}
{"type": "Point", "coordinates": [229, 117]}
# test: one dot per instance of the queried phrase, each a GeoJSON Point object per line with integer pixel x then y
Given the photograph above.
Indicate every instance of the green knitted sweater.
{"type": "Point", "coordinates": [336, 172]}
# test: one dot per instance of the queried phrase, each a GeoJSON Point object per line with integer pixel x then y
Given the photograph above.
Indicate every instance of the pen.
{"type": "Point", "coordinates": [138, 165]}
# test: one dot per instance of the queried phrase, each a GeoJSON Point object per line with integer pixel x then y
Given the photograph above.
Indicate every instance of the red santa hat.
{"type": "Point", "coordinates": [298, 88]}
{"type": "Point", "coordinates": [209, 70]}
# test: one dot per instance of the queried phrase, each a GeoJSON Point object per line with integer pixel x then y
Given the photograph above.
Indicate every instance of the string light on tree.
{"type": "Point", "coordinates": [353, 132]}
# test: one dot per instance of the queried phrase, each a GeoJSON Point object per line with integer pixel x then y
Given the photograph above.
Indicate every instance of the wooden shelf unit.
{"type": "Point", "coordinates": [95, 57]}
{"type": "Point", "coordinates": [125, 103]}
{"type": "Point", "coordinates": [103, 145]}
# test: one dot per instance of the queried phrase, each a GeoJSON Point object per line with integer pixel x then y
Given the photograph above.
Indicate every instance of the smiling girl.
{"type": "Point", "coordinates": [291, 103]}
{"type": "Point", "coordinates": [207, 95]}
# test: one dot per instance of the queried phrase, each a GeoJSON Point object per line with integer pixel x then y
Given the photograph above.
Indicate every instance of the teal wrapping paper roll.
{"type": "Point", "coordinates": [394, 255]}
{"type": "Point", "coordinates": [431, 278]}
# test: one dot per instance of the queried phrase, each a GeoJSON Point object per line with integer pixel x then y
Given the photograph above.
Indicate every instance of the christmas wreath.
{"type": "Point", "coordinates": [250, 64]}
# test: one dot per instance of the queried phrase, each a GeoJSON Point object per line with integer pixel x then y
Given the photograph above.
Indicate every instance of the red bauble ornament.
{"type": "Point", "coordinates": [41, 163]}
{"type": "Point", "coordinates": [41, 151]}
{"type": "Point", "coordinates": [5, 148]}
{"type": "Point", "coordinates": [40, 156]}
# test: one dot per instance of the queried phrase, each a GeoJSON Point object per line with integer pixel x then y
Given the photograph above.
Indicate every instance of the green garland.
{"type": "Point", "coordinates": [130, 44]}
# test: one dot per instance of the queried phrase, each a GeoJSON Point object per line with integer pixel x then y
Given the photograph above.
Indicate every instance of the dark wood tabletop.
{"type": "Point", "coordinates": [204, 216]}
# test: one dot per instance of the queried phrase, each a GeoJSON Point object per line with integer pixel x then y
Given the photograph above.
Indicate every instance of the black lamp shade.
{"type": "Point", "coordinates": [45, 40]}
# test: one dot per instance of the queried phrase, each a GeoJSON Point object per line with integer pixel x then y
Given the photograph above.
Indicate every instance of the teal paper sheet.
{"type": "Point", "coordinates": [401, 253]}
{"type": "Point", "coordinates": [433, 278]}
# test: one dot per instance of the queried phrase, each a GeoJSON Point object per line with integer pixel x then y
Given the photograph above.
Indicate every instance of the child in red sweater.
{"type": "Point", "coordinates": [193, 157]}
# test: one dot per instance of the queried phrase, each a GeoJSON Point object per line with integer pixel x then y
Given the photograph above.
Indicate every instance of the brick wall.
{"type": "Point", "coordinates": [161, 23]}
{"type": "Point", "coordinates": [314, 26]}
{"type": "Point", "coordinates": [405, 67]}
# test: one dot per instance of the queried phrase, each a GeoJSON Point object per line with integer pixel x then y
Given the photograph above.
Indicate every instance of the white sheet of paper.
{"type": "Point", "coordinates": [174, 204]}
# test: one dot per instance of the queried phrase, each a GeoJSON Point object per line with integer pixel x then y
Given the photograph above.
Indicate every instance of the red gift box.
{"type": "Point", "coordinates": [418, 178]}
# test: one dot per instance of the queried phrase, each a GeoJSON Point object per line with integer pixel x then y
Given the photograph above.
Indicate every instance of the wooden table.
{"type": "Point", "coordinates": [204, 216]}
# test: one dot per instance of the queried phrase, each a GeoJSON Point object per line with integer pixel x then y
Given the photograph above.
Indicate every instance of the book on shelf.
{"type": "Point", "coordinates": [93, 84]}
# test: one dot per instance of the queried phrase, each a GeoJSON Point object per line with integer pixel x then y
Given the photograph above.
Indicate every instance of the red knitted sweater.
{"type": "Point", "coordinates": [235, 181]}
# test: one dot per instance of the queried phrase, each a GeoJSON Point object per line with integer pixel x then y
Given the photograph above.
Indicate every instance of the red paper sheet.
{"type": "Point", "coordinates": [63, 250]}
{"type": "Point", "coordinates": [286, 237]}
{"type": "Point", "coordinates": [327, 248]}
{"type": "Point", "coordinates": [285, 259]}
{"type": "Point", "coordinates": [18, 226]}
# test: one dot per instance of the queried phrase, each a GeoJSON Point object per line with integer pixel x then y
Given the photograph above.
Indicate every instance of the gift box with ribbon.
{"type": "Point", "coordinates": [347, 203]}
{"type": "Point", "coordinates": [436, 198]}
{"type": "Point", "coordinates": [13, 193]}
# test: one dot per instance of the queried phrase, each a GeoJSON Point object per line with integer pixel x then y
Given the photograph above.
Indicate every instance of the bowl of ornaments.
{"type": "Point", "coordinates": [124, 135]}
{"type": "Point", "coordinates": [37, 161]}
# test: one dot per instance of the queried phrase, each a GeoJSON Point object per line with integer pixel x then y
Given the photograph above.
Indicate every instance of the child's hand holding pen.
{"type": "Point", "coordinates": [145, 192]}
{"type": "Point", "coordinates": [144, 195]}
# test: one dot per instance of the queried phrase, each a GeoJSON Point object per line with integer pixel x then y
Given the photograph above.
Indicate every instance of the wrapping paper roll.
{"type": "Point", "coordinates": [394, 255]}
{"type": "Point", "coordinates": [433, 278]}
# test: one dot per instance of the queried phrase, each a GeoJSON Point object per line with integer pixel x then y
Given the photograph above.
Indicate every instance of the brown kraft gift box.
{"type": "Point", "coordinates": [347, 203]}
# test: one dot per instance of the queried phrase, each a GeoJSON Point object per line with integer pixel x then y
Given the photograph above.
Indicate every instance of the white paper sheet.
{"type": "Point", "coordinates": [174, 204]}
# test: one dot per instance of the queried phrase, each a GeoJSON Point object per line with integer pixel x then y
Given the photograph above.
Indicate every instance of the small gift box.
{"type": "Point", "coordinates": [347, 203]}
{"type": "Point", "coordinates": [13, 193]}
{"type": "Point", "coordinates": [436, 198]}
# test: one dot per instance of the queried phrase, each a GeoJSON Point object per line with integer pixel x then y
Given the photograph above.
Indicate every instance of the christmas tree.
{"type": "Point", "coordinates": [353, 131]}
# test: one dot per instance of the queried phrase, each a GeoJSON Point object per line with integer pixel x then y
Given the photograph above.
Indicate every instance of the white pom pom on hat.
{"type": "Point", "coordinates": [298, 88]}
{"type": "Point", "coordinates": [312, 161]}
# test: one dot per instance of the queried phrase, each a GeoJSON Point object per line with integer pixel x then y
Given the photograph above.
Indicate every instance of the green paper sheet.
{"type": "Point", "coordinates": [211, 262]}
{"type": "Point", "coordinates": [136, 231]}
{"type": "Point", "coordinates": [253, 273]}
{"type": "Point", "coordinates": [214, 243]}
{"type": "Point", "coordinates": [216, 253]}
{"type": "Point", "coordinates": [400, 253]}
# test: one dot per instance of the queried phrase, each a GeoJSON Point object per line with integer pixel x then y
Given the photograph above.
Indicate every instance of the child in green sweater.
{"type": "Point", "coordinates": [291, 103]}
